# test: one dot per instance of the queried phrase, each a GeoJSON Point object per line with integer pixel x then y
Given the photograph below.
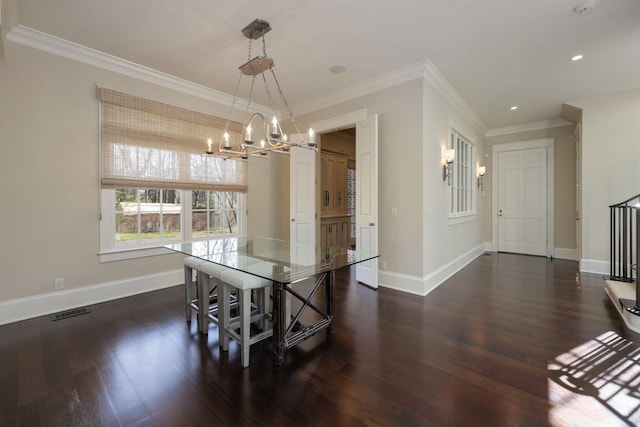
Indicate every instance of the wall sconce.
{"type": "Point", "coordinates": [447, 157]}
{"type": "Point", "coordinates": [481, 171]}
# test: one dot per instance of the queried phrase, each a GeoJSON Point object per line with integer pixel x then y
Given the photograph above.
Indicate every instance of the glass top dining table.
{"type": "Point", "coordinates": [284, 263]}
{"type": "Point", "coordinates": [292, 262]}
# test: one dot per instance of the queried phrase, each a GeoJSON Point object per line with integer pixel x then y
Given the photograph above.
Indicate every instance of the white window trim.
{"type": "Point", "coordinates": [461, 219]}
{"type": "Point", "coordinates": [109, 252]}
{"type": "Point", "coordinates": [455, 218]}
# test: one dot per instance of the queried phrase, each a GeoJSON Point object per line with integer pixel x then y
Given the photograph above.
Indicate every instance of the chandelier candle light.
{"type": "Point", "coordinates": [274, 138]}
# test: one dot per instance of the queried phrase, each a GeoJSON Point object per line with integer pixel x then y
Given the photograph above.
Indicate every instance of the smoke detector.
{"type": "Point", "coordinates": [585, 7]}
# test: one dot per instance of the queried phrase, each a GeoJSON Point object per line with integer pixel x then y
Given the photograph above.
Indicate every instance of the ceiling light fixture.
{"type": "Point", "coordinates": [513, 108]}
{"type": "Point", "coordinates": [585, 7]}
{"type": "Point", "coordinates": [273, 139]}
{"type": "Point", "coordinates": [577, 58]}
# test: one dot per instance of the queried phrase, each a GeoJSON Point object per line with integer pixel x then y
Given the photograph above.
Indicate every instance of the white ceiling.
{"type": "Point", "coordinates": [495, 53]}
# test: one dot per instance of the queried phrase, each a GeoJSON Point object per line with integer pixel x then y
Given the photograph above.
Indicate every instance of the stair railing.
{"type": "Point", "coordinates": [624, 239]}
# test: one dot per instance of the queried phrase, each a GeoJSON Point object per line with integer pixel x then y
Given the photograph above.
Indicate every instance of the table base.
{"type": "Point", "coordinates": [289, 335]}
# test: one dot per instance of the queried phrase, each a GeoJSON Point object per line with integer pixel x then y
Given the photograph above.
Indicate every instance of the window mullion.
{"type": "Point", "coordinates": [187, 214]}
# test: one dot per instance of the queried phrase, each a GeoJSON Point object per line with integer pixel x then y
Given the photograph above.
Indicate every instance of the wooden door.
{"type": "Point", "coordinates": [340, 189]}
{"type": "Point", "coordinates": [328, 184]}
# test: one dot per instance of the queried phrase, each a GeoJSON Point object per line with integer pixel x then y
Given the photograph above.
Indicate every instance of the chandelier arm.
{"type": "Point", "coordinates": [265, 150]}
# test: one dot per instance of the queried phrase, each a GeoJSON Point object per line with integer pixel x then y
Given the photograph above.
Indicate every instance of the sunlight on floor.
{"type": "Point", "coordinates": [596, 384]}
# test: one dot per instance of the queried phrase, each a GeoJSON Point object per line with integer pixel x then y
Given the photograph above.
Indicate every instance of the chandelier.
{"type": "Point", "coordinates": [259, 136]}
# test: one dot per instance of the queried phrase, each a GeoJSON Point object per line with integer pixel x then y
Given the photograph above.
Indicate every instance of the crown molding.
{"type": "Point", "coordinates": [57, 46]}
{"type": "Point", "coordinates": [367, 87]}
{"type": "Point", "coordinates": [421, 70]}
{"type": "Point", "coordinates": [528, 127]}
{"type": "Point", "coordinates": [433, 75]}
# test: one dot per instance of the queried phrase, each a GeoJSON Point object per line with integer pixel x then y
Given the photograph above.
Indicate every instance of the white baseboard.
{"type": "Point", "coordinates": [564, 253]}
{"type": "Point", "coordinates": [401, 282]}
{"type": "Point", "coordinates": [422, 286]}
{"type": "Point", "coordinates": [595, 266]}
{"type": "Point", "coordinates": [40, 305]}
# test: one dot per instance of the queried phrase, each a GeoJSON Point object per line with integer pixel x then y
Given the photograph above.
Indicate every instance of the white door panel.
{"type": "Point", "coordinates": [302, 192]}
{"type": "Point", "coordinates": [522, 201]}
{"type": "Point", "coordinates": [302, 208]}
{"type": "Point", "coordinates": [367, 198]}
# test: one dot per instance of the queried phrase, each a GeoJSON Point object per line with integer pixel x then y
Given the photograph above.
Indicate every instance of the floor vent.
{"type": "Point", "coordinates": [487, 254]}
{"type": "Point", "coordinates": [69, 313]}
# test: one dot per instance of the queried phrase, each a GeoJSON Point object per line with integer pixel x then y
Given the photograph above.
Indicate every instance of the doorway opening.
{"type": "Point", "coordinates": [338, 188]}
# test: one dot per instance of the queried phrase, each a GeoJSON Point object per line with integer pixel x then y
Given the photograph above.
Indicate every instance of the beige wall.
{"type": "Point", "coordinates": [268, 197]}
{"type": "Point", "coordinates": [49, 128]}
{"type": "Point", "coordinates": [446, 240]}
{"type": "Point", "coordinates": [610, 171]}
{"type": "Point", "coordinates": [564, 180]}
{"type": "Point", "coordinates": [414, 123]}
{"type": "Point", "coordinates": [49, 174]}
{"type": "Point", "coordinates": [399, 176]}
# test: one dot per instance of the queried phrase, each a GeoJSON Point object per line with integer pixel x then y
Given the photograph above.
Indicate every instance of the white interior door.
{"type": "Point", "coordinates": [302, 209]}
{"type": "Point", "coordinates": [578, 136]}
{"type": "Point", "coordinates": [302, 204]}
{"type": "Point", "coordinates": [522, 201]}
{"type": "Point", "coordinates": [367, 198]}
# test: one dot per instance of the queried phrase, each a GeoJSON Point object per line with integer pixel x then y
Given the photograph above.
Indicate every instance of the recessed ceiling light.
{"type": "Point", "coordinates": [585, 7]}
{"type": "Point", "coordinates": [338, 69]}
{"type": "Point", "coordinates": [515, 107]}
{"type": "Point", "coordinates": [577, 57]}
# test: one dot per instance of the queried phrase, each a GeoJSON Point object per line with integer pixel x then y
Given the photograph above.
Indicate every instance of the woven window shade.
{"type": "Point", "coordinates": [148, 144]}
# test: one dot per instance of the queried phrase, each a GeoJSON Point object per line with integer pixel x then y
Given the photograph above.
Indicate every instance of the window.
{"type": "Point", "coordinates": [214, 213]}
{"type": "Point", "coordinates": [140, 219]}
{"type": "Point", "coordinates": [157, 187]}
{"type": "Point", "coordinates": [146, 215]}
{"type": "Point", "coordinates": [462, 200]}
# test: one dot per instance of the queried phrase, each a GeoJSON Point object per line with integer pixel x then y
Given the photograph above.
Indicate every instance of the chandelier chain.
{"type": "Point", "coordinates": [253, 79]}
{"type": "Point", "coordinates": [233, 103]}
{"type": "Point", "coordinates": [264, 46]}
{"type": "Point", "coordinates": [284, 100]}
{"type": "Point", "coordinates": [264, 79]}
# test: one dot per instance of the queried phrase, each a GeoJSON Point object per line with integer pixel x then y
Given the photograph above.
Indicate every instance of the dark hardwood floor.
{"type": "Point", "coordinates": [508, 341]}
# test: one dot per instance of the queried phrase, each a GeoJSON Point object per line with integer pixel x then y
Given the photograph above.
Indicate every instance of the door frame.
{"type": "Point", "coordinates": [348, 120]}
{"type": "Point", "coordinates": [343, 121]}
{"type": "Point", "coordinates": [549, 144]}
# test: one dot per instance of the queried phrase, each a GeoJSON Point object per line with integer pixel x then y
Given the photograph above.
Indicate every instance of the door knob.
{"type": "Point", "coordinates": [371, 224]}
{"type": "Point", "coordinates": [293, 220]}
{"type": "Point", "coordinates": [500, 212]}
